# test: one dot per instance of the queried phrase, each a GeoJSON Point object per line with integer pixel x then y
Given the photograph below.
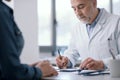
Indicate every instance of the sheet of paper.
{"type": "Point", "coordinates": [67, 70]}
{"type": "Point", "coordinates": [88, 71]}
{"type": "Point", "coordinates": [70, 70]}
{"type": "Point", "coordinates": [93, 72]}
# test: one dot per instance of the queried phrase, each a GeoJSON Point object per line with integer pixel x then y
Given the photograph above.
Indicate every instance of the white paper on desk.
{"type": "Point", "coordinates": [93, 72]}
{"type": "Point", "coordinates": [87, 71]}
{"type": "Point", "coordinates": [55, 67]}
{"type": "Point", "coordinates": [69, 70]}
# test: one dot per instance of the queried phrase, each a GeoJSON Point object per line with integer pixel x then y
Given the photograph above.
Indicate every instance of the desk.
{"type": "Point", "coordinates": [74, 76]}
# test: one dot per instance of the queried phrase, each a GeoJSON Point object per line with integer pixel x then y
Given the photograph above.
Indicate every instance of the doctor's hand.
{"type": "Point", "coordinates": [46, 69]}
{"type": "Point", "coordinates": [92, 64]}
{"type": "Point", "coordinates": [62, 62]}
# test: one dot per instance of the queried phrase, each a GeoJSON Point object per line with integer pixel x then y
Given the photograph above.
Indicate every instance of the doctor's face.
{"type": "Point", "coordinates": [84, 10]}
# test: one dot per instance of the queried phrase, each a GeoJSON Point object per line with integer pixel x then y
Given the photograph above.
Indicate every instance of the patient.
{"type": "Point", "coordinates": [11, 45]}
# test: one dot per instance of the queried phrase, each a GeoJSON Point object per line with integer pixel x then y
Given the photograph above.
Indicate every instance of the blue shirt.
{"type": "Point", "coordinates": [90, 27]}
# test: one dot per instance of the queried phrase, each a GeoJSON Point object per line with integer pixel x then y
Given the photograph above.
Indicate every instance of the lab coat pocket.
{"type": "Point", "coordinates": [112, 44]}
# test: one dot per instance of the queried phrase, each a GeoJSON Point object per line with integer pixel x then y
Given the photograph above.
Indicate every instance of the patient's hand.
{"type": "Point", "coordinates": [47, 69]}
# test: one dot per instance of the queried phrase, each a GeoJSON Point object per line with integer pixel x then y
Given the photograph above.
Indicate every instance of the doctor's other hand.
{"type": "Point", "coordinates": [92, 64]}
{"type": "Point", "coordinates": [46, 68]}
{"type": "Point", "coordinates": [62, 62]}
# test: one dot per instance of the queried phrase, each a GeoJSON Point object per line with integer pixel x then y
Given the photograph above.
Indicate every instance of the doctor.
{"type": "Point", "coordinates": [97, 33]}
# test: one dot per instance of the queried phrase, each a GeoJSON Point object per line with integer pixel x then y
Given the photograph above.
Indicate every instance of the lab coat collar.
{"type": "Point", "coordinates": [103, 17]}
{"type": "Point", "coordinates": [100, 24]}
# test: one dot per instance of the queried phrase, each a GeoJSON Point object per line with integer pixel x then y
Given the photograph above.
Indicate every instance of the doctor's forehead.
{"type": "Point", "coordinates": [79, 2]}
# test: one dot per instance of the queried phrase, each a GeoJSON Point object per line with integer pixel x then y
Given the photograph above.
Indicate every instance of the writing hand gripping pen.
{"type": "Point", "coordinates": [63, 60]}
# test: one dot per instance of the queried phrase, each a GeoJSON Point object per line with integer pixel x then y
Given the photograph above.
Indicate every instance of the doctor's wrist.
{"type": "Point", "coordinates": [101, 64]}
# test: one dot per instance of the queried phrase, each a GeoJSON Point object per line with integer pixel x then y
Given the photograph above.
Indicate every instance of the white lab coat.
{"type": "Point", "coordinates": [96, 47]}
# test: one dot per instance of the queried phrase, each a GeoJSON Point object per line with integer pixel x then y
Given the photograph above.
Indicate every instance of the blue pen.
{"type": "Point", "coordinates": [59, 54]}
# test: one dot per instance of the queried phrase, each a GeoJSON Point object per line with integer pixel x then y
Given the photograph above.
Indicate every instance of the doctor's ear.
{"type": "Point", "coordinates": [94, 3]}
